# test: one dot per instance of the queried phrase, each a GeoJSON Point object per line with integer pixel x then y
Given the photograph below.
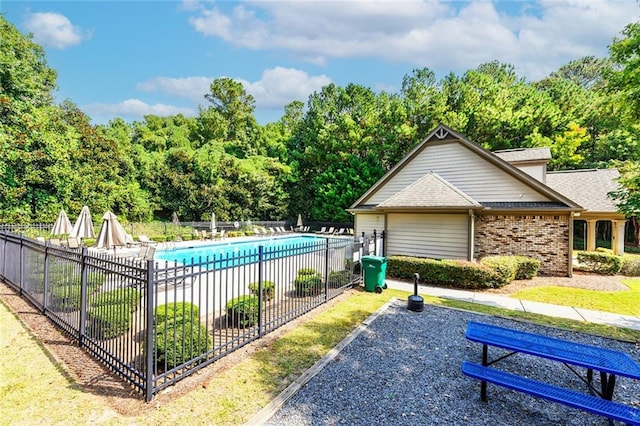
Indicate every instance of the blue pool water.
{"type": "Point", "coordinates": [228, 254]}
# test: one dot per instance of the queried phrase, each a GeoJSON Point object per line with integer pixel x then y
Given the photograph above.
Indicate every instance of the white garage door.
{"type": "Point", "coordinates": [439, 236]}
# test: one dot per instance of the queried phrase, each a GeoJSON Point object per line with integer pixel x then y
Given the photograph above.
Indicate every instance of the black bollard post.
{"type": "Point", "coordinates": [416, 302]}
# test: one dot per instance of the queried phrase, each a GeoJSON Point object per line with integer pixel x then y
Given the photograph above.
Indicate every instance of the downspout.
{"type": "Point", "coordinates": [570, 266]}
{"type": "Point", "coordinates": [470, 238]}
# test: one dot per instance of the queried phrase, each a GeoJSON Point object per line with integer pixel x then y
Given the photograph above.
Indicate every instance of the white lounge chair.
{"type": "Point", "coordinates": [72, 242]}
{"type": "Point", "coordinates": [323, 230]}
{"type": "Point", "coordinates": [145, 240]}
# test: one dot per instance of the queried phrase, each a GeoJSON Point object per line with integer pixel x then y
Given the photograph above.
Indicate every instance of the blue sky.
{"type": "Point", "coordinates": [131, 58]}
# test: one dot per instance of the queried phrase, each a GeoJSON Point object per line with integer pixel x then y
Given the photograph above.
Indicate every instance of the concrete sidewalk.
{"type": "Point", "coordinates": [578, 314]}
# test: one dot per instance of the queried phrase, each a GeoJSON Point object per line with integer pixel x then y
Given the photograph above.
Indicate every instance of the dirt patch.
{"type": "Point", "coordinates": [93, 377]}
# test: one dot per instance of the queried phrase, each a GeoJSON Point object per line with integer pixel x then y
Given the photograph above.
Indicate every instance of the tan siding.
{"type": "Point", "coordinates": [367, 223]}
{"type": "Point", "coordinates": [536, 171]}
{"type": "Point", "coordinates": [440, 236]}
{"type": "Point", "coordinates": [463, 168]}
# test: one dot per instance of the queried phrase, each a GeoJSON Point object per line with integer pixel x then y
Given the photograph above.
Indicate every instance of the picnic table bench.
{"type": "Point", "coordinates": [609, 363]}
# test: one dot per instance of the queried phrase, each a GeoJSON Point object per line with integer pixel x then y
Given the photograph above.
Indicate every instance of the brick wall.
{"type": "Point", "coordinates": [544, 237]}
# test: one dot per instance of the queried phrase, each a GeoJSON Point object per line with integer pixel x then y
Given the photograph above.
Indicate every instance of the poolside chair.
{"type": "Point", "coordinates": [142, 253]}
{"type": "Point", "coordinates": [55, 242]}
{"type": "Point", "coordinates": [330, 230]}
{"type": "Point", "coordinates": [323, 230]}
{"type": "Point", "coordinates": [222, 233]}
{"type": "Point", "coordinates": [40, 240]}
{"type": "Point", "coordinates": [72, 242]}
{"type": "Point", "coordinates": [204, 235]}
{"type": "Point", "coordinates": [128, 239]}
{"type": "Point", "coordinates": [339, 232]}
{"type": "Point", "coordinates": [145, 240]}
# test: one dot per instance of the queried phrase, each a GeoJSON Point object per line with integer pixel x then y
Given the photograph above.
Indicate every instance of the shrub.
{"type": "Point", "coordinates": [126, 296]}
{"type": "Point", "coordinates": [630, 265]}
{"type": "Point", "coordinates": [177, 342]}
{"type": "Point", "coordinates": [339, 278]}
{"type": "Point", "coordinates": [109, 320]}
{"type": "Point", "coordinates": [244, 310]}
{"type": "Point", "coordinates": [600, 262]}
{"type": "Point", "coordinates": [307, 271]}
{"type": "Point", "coordinates": [307, 285]}
{"type": "Point", "coordinates": [66, 297]}
{"type": "Point", "coordinates": [181, 311]}
{"type": "Point", "coordinates": [268, 289]}
{"type": "Point", "coordinates": [505, 266]}
{"type": "Point", "coordinates": [527, 267]}
{"type": "Point", "coordinates": [456, 273]}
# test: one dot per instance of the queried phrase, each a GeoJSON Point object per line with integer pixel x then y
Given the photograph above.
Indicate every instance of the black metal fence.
{"type": "Point", "coordinates": [156, 322]}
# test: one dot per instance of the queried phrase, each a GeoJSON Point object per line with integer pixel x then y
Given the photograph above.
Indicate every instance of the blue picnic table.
{"type": "Point", "coordinates": [609, 363]}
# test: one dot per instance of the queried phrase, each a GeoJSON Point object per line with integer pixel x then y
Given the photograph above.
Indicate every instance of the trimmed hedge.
{"type": "Point", "coordinates": [527, 267]}
{"type": "Point", "coordinates": [180, 311]}
{"type": "Point", "coordinates": [268, 289]}
{"type": "Point", "coordinates": [339, 278]}
{"type": "Point", "coordinates": [456, 273]}
{"type": "Point", "coordinates": [179, 335]}
{"type": "Point", "coordinates": [109, 320]}
{"type": "Point", "coordinates": [308, 282]}
{"type": "Point", "coordinates": [121, 296]}
{"type": "Point", "coordinates": [244, 310]}
{"type": "Point", "coordinates": [505, 266]}
{"type": "Point", "coordinates": [110, 312]}
{"type": "Point", "coordinates": [600, 262]}
{"type": "Point", "coordinates": [511, 268]}
{"type": "Point", "coordinates": [630, 265]}
{"type": "Point", "coordinates": [177, 342]}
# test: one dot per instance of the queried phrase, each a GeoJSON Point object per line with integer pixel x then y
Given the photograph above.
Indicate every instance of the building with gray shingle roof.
{"type": "Point", "coordinates": [449, 198]}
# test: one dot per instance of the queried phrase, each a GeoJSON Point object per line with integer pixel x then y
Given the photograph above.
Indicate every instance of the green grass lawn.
{"type": "Point", "coordinates": [32, 382]}
{"type": "Point", "coordinates": [621, 302]}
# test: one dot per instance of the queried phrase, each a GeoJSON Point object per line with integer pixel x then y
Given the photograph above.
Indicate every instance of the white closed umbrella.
{"type": "Point", "coordinates": [213, 222]}
{"type": "Point", "coordinates": [83, 227]}
{"type": "Point", "coordinates": [62, 225]}
{"type": "Point", "coordinates": [111, 234]}
{"type": "Point", "coordinates": [299, 223]}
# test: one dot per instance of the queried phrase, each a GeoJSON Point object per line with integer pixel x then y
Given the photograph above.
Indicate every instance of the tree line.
{"type": "Point", "coordinates": [318, 158]}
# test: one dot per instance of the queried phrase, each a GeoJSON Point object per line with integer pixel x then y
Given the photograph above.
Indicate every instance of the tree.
{"type": "Point", "coordinates": [625, 75]}
{"type": "Point", "coordinates": [628, 196]}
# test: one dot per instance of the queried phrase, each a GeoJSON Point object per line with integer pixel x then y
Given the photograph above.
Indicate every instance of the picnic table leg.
{"type": "Point", "coordinates": [608, 382]}
{"type": "Point", "coordinates": [485, 362]}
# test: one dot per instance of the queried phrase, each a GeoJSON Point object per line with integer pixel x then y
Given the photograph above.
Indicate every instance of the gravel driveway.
{"type": "Point", "coordinates": [404, 369]}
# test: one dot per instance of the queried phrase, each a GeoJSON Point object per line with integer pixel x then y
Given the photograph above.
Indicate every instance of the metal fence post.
{"type": "Point", "coordinates": [21, 264]}
{"type": "Point", "coordinates": [83, 296]}
{"type": "Point", "coordinates": [326, 269]}
{"type": "Point", "coordinates": [45, 296]}
{"type": "Point", "coordinates": [4, 251]}
{"type": "Point", "coordinates": [375, 243]}
{"type": "Point", "coordinates": [149, 367]}
{"type": "Point", "coordinates": [383, 237]}
{"type": "Point", "coordinates": [260, 291]}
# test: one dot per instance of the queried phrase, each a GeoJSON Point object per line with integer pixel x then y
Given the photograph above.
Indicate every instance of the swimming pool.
{"type": "Point", "coordinates": [225, 254]}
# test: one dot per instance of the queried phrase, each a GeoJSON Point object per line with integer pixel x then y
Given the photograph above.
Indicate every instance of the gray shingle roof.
{"type": "Point", "coordinates": [524, 154]}
{"type": "Point", "coordinates": [526, 205]}
{"type": "Point", "coordinates": [588, 188]}
{"type": "Point", "coordinates": [430, 191]}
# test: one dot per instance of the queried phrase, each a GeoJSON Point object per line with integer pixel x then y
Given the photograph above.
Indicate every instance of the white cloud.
{"type": "Point", "coordinates": [277, 86]}
{"type": "Point", "coordinates": [536, 37]}
{"type": "Point", "coordinates": [280, 86]}
{"type": "Point", "coordinates": [193, 88]}
{"type": "Point", "coordinates": [55, 30]}
{"type": "Point", "coordinates": [133, 109]}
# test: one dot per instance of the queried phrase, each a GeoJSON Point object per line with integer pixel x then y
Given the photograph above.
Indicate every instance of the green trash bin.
{"type": "Point", "coordinates": [375, 270]}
